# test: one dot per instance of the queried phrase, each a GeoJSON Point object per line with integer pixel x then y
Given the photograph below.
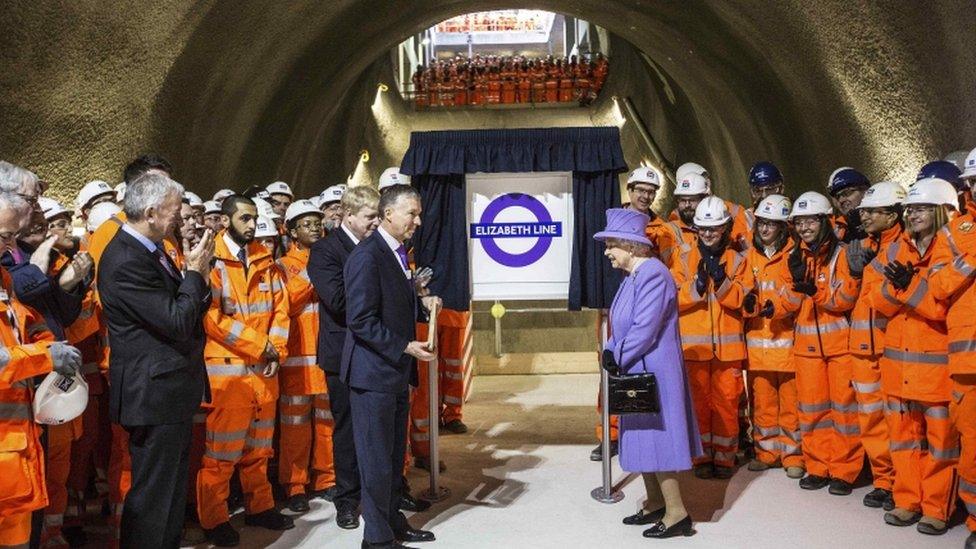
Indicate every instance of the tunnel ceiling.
{"type": "Point", "coordinates": [244, 91]}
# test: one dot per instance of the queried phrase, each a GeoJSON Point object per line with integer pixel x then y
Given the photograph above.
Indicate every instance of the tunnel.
{"type": "Point", "coordinates": [241, 92]}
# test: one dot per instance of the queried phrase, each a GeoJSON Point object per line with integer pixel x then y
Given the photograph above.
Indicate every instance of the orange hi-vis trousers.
{"type": "Point", "coordinates": [119, 479]}
{"type": "Point", "coordinates": [305, 440]}
{"type": "Point", "coordinates": [924, 450]}
{"type": "Point", "coordinates": [866, 380]}
{"type": "Point", "coordinates": [454, 359]}
{"type": "Point", "coordinates": [828, 417]}
{"type": "Point", "coordinates": [775, 424]}
{"type": "Point", "coordinates": [237, 437]}
{"type": "Point", "coordinates": [15, 530]}
{"type": "Point", "coordinates": [58, 467]}
{"type": "Point", "coordinates": [715, 389]}
{"type": "Point", "coordinates": [962, 412]}
{"type": "Point", "coordinates": [90, 454]}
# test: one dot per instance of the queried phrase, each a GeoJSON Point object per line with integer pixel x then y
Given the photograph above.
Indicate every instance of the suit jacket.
{"type": "Point", "coordinates": [381, 315]}
{"type": "Point", "coordinates": [155, 331]}
{"type": "Point", "coordinates": [42, 292]}
{"type": "Point", "coordinates": [326, 260]}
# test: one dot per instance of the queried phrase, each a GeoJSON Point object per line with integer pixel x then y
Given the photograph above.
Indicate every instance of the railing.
{"type": "Point", "coordinates": [564, 91]}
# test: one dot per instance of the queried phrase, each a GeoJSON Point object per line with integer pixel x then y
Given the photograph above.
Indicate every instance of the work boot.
{"type": "Point", "coordinates": [424, 463]}
{"type": "Point", "coordinates": [597, 453]}
{"type": "Point", "coordinates": [270, 519]}
{"type": "Point", "coordinates": [222, 535]}
{"type": "Point", "coordinates": [814, 482]}
{"type": "Point", "coordinates": [839, 487]}
{"type": "Point", "coordinates": [795, 472]}
{"type": "Point", "coordinates": [298, 503]}
{"type": "Point", "coordinates": [931, 526]}
{"type": "Point", "coordinates": [456, 426]}
{"type": "Point", "coordinates": [704, 471]}
{"type": "Point", "coordinates": [757, 465]}
{"type": "Point", "coordinates": [877, 498]}
{"type": "Point", "coordinates": [901, 517]}
{"type": "Point", "coordinates": [970, 542]}
{"type": "Point", "coordinates": [723, 473]}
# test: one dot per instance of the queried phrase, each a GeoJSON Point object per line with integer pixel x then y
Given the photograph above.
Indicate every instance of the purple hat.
{"type": "Point", "coordinates": [625, 224]}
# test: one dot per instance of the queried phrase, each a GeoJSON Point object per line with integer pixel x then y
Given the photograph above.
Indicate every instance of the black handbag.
{"type": "Point", "coordinates": [631, 393]}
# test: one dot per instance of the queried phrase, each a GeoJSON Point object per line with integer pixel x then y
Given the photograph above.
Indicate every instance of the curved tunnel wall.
{"type": "Point", "coordinates": [246, 91]}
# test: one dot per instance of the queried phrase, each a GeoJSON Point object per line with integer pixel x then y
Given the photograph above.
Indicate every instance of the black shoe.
{"type": "Point", "coordinates": [839, 487]}
{"type": "Point", "coordinates": [597, 453]}
{"type": "Point", "coordinates": [642, 517]}
{"type": "Point", "coordinates": [424, 463]}
{"type": "Point", "coordinates": [877, 498]}
{"type": "Point", "coordinates": [680, 528]}
{"type": "Point", "coordinates": [270, 519]}
{"type": "Point", "coordinates": [298, 503]}
{"type": "Point", "coordinates": [223, 535]}
{"type": "Point", "coordinates": [347, 519]}
{"type": "Point", "coordinates": [723, 473]}
{"type": "Point", "coordinates": [388, 545]}
{"type": "Point", "coordinates": [414, 535]}
{"type": "Point", "coordinates": [970, 542]}
{"type": "Point", "coordinates": [455, 426]}
{"type": "Point", "coordinates": [814, 482]}
{"type": "Point", "coordinates": [412, 504]}
{"type": "Point", "coordinates": [75, 536]}
{"type": "Point", "coordinates": [328, 494]}
{"type": "Point", "coordinates": [704, 471]}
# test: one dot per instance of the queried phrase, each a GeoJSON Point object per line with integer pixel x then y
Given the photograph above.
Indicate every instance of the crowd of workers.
{"type": "Point", "coordinates": [850, 318]}
{"type": "Point", "coordinates": [60, 478]}
{"type": "Point", "coordinates": [494, 80]}
{"type": "Point", "coordinates": [496, 21]}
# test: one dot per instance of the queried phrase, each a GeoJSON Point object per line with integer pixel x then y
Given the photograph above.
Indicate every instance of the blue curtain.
{"type": "Point", "coordinates": [437, 162]}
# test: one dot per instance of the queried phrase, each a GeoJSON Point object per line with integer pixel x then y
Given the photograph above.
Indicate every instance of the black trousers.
{"type": "Point", "coordinates": [156, 504]}
{"type": "Point", "coordinates": [380, 431]}
{"type": "Point", "coordinates": [343, 445]}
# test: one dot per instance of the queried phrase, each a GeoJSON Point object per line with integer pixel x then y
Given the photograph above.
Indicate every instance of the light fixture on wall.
{"type": "Point", "coordinates": [383, 87]}
{"type": "Point", "coordinates": [364, 156]}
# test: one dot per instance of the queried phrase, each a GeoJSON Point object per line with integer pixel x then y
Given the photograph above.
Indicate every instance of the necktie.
{"type": "Point", "coordinates": [402, 252]}
{"type": "Point", "coordinates": [242, 255]}
{"type": "Point", "coordinates": [161, 256]}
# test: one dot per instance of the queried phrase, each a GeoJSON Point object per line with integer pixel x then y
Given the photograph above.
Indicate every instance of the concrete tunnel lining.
{"type": "Point", "coordinates": [235, 93]}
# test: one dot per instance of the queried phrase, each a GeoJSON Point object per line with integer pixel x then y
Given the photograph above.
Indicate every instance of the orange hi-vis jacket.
{"type": "Point", "coordinates": [711, 325]}
{"type": "Point", "coordinates": [741, 224]}
{"type": "Point", "coordinates": [681, 238]}
{"type": "Point", "coordinates": [916, 338]}
{"type": "Point", "coordinates": [300, 373]}
{"type": "Point", "coordinates": [867, 325]}
{"type": "Point", "coordinates": [249, 310]}
{"type": "Point", "coordinates": [951, 280]}
{"type": "Point", "coordinates": [769, 340]}
{"type": "Point", "coordinates": [821, 328]}
{"type": "Point", "coordinates": [25, 340]}
{"type": "Point", "coordinates": [662, 237]}
{"type": "Point", "coordinates": [104, 234]}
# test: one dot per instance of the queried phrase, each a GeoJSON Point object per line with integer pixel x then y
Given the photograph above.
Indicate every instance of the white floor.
{"type": "Point", "coordinates": [522, 478]}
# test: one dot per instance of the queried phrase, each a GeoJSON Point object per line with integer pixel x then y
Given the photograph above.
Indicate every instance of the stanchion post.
{"type": "Point", "coordinates": [435, 492]}
{"type": "Point", "coordinates": [605, 492]}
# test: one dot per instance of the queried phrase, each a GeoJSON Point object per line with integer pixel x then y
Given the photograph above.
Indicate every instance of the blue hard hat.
{"type": "Point", "coordinates": [764, 174]}
{"type": "Point", "coordinates": [942, 169]}
{"type": "Point", "coordinates": [845, 178]}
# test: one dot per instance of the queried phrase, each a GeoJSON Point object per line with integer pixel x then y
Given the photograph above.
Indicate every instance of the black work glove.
{"type": "Point", "coordinates": [701, 278]}
{"type": "Point", "coordinates": [805, 287]}
{"type": "Point", "coordinates": [767, 310]}
{"type": "Point", "coordinates": [900, 275]}
{"type": "Point", "coordinates": [854, 230]}
{"type": "Point", "coordinates": [609, 363]}
{"type": "Point", "coordinates": [797, 265]}
{"type": "Point", "coordinates": [749, 302]}
{"type": "Point", "coordinates": [858, 257]}
{"type": "Point", "coordinates": [717, 272]}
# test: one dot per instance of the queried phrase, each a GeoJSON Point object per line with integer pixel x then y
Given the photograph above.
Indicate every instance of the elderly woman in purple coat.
{"type": "Point", "coordinates": [644, 328]}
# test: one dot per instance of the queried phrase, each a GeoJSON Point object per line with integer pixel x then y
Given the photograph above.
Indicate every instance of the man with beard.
{"type": "Point", "coordinates": [247, 339]}
{"type": "Point", "coordinates": [331, 206]}
{"type": "Point", "coordinates": [765, 179]}
{"type": "Point", "coordinates": [280, 196]}
{"type": "Point", "coordinates": [846, 187]}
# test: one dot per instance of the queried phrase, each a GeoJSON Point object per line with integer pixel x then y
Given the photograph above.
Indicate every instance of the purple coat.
{"type": "Point", "coordinates": [644, 328]}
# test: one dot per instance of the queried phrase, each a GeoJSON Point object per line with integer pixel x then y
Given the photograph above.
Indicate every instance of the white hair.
{"type": "Point", "coordinates": [148, 191]}
{"type": "Point", "coordinates": [13, 178]}
{"type": "Point", "coordinates": [12, 201]}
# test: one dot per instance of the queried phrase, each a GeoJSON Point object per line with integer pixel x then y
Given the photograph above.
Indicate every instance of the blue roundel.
{"type": "Point", "coordinates": [764, 174]}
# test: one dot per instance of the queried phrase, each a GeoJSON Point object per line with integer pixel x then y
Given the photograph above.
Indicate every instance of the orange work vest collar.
{"type": "Point", "coordinates": [257, 254]}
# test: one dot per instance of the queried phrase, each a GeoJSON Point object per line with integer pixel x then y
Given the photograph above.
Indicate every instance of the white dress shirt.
{"type": "Point", "coordinates": [394, 244]}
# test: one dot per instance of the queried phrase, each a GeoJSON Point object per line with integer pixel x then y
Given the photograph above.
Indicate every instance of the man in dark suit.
{"type": "Point", "coordinates": [378, 362]}
{"type": "Point", "coordinates": [156, 369]}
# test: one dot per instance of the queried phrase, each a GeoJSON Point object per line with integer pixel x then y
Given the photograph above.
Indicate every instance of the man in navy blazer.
{"type": "Point", "coordinates": [378, 360]}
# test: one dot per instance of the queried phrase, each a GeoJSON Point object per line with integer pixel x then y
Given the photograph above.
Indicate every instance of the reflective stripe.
{"type": "Point", "coordinates": [4, 357]}
{"type": "Point", "coordinates": [895, 407]}
{"type": "Point", "coordinates": [844, 409]}
{"type": "Point", "coordinates": [452, 400]}
{"type": "Point", "coordinates": [224, 456]}
{"type": "Point", "coordinates": [937, 412]}
{"type": "Point", "coordinates": [766, 343]}
{"type": "Point", "coordinates": [228, 369]}
{"type": "Point", "coordinates": [257, 443]}
{"type": "Point", "coordinates": [263, 424]}
{"type": "Point", "coordinates": [723, 441]}
{"type": "Point", "coordinates": [421, 423]}
{"type": "Point", "coordinates": [948, 453]}
{"type": "Point", "coordinates": [419, 436]}
{"type": "Point", "coordinates": [965, 346]}
{"type": "Point", "coordinates": [298, 361]}
{"type": "Point", "coordinates": [704, 339]}
{"type": "Point", "coordinates": [887, 295]}
{"type": "Point", "coordinates": [767, 431]}
{"type": "Point", "coordinates": [457, 376]}
{"type": "Point", "coordinates": [790, 450]}
{"type": "Point", "coordinates": [918, 294]}
{"type": "Point", "coordinates": [303, 274]}
{"type": "Point", "coordinates": [922, 358]}
{"type": "Point", "coordinates": [870, 407]}
{"type": "Point", "coordinates": [866, 387]}
{"type": "Point", "coordinates": [814, 407]}
{"type": "Point", "coordinates": [276, 331]}
{"type": "Point", "coordinates": [226, 436]}
{"type": "Point", "coordinates": [835, 326]}
{"type": "Point", "coordinates": [451, 362]}
{"type": "Point", "coordinates": [287, 419]}
{"type": "Point", "coordinates": [15, 411]}
{"type": "Point", "coordinates": [823, 424]}
{"type": "Point", "coordinates": [236, 328]}
{"type": "Point", "coordinates": [903, 445]}
{"type": "Point", "coordinates": [950, 240]}
{"type": "Point", "coordinates": [847, 429]}
{"type": "Point", "coordinates": [323, 414]}
{"type": "Point", "coordinates": [879, 322]}
{"type": "Point", "coordinates": [966, 486]}
{"type": "Point", "coordinates": [770, 445]}
{"type": "Point", "coordinates": [767, 285]}
{"type": "Point", "coordinates": [310, 308]}
{"type": "Point", "coordinates": [53, 520]}
{"type": "Point", "coordinates": [295, 400]}
{"type": "Point", "coordinates": [960, 265]}
{"type": "Point", "coordinates": [794, 436]}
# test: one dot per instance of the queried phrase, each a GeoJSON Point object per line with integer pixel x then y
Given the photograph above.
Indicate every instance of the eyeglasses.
{"type": "Point", "coordinates": [920, 208]}
{"type": "Point", "coordinates": [59, 224]}
{"type": "Point", "coordinates": [643, 190]}
{"type": "Point", "coordinates": [875, 211]}
{"type": "Point", "coordinates": [766, 224]}
{"type": "Point", "coordinates": [30, 198]}
{"type": "Point", "coordinates": [711, 230]}
{"type": "Point", "coordinates": [798, 223]}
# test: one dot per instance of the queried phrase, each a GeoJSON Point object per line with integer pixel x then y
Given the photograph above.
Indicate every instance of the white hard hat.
{"type": "Point", "coordinates": [958, 158]}
{"type": "Point", "coordinates": [931, 190]}
{"type": "Point", "coordinates": [100, 213]}
{"type": "Point", "coordinates": [883, 194]}
{"type": "Point", "coordinates": [689, 168]}
{"type": "Point", "coordinates": [265, 209]}
{"type": "Point", "coordinates": [193, 199]}
{"type": "Point", "coordinates": [969, 167]}
{"type": "Point", "coordinates": [644, 175]}
{"type": "Point", "coordinates": [691, 184]}
{"type": "Point", "coordinates": [392, 176]}
{"type": "Point", "coordinates": [93, 190]}
{"type": "Point", "coordinates": [60, 399]}
{"type": "Point", "coordinates": [299, 208]}
{"type": "Point", "coordinates": [333, 194]}
{"type": "Point", "coordinates": [712, 212]}
{"type": "Point", "coordinates": [120, 192]}
{"type": "Point", "coordinates": [51, 208]}
{"type": "Point", "coordinates": [280, 187]}
{"type": "Point", "coordinates": [211, 207]}
{"type": "Point", "coordinates": [811, 203]}
{"type": "Point", "coordinates": [774, 207]}
{"type": "Point", "coordinates": [222, 194]}
{"type": "Point", "coordinates": [265, 227]}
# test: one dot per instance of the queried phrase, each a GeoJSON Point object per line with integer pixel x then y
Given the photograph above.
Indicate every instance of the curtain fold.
{"type": "Point", "coordinates": [442, 244]}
